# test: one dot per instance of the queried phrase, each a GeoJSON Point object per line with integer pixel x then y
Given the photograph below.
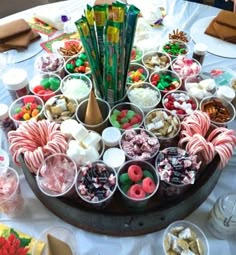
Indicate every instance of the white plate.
{"type": "Point", "coordinates": [33, 49]}
{"type": "Point", "coordinates": [215, 45]}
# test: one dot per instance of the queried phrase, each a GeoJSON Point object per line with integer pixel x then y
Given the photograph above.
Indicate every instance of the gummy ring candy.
{"type": "Point", "coordinates": [136, 191]}
{"type": "Point", "coordinates": [148, 185]}
{"type": "Point", "coordinates": [135, 173]}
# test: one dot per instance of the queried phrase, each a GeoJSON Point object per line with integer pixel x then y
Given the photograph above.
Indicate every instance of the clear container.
{"type": "Point", "coordinates": [222, 217]}
{"type": "Point", "coordinates": [199, 52]}
{"type": "Point", "coordinates": [6, 123]}
{"type": "Point", "coordinates": [16, 82]}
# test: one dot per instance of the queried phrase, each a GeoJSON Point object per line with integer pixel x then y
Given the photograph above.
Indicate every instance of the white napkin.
{"type": "Point", "coordinates": [50, 15]}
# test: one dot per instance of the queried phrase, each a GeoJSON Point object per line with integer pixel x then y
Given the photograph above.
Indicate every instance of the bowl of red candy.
{"type": "Point", "coordinates": [26, 108]}
{"type": "Point", "coordinates": [179, 103]}
{"type": "Point", "coordinates": [165, 80]}
{"type": "Point", "coordinates": [45, 86]}
{"type": "Point", "coordinates": [138, 181]}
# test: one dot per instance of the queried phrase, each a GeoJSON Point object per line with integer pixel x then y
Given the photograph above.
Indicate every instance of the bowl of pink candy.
{"type": "Point", "coordinates": [126, 116]}
{"type": "Point", "coordinates": [56, 176]}
{"type": "Point", "coordinates": [138, 182]}
{"type": "Point", "coordinates": [140, 144]}
{"type": "Point", "coordinates": [180, 103]}
{"type": "Point", "coordinates": [185, 66]}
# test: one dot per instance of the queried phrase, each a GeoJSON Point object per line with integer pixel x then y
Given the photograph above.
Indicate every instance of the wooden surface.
{"type": "Point", "coordinates": [117, 219]}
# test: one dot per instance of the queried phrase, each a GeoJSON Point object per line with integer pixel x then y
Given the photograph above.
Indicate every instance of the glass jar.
{"type": "Point", "coordinates": [222, 217]}
{"type": "Point", "coordinates": [199, 52]}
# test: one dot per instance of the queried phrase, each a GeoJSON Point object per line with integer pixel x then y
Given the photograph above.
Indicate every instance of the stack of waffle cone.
{"type": "Point", "coordinates": [93, 115]}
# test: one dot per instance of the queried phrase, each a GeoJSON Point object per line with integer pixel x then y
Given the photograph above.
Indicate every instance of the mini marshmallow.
{"type": "Point", "coordinates": [91, 154]}
{"type": "Point", "coordinates": [79, 133]}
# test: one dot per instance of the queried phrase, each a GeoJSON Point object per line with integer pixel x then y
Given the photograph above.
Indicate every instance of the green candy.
{"type": "Point", "coordinates": [17, 110]}
{"type": "Point", "coordinates": [130, 114]}
{"type": "Point", "coordinates": [79, 62]}
{"type": "Point", "coordinates": [135, 126]}
{"type": "Point", "coordinates": [124, 120]}
{"type": "Point", "coordinates": [125, 188]}
{"type": "Point", "coordinates": [160, 86]}
{"type": "Point", "coordinates": [124, 178]}
{"type": "Point", "coordinates": [116, 112]}
{"type": "Point", "coordinates": [146, 173]}
{"type": "Point", "coordinates": [83, 56]}
{"type": "Point", "coordinates": [115, 124]}
{"type": "Point", "coordinates": [45, 83]}
{"type": "Point", "coordinates": [70, 68]}
{"type": "Point", "coordinates": [54, 83]}
{"type": "Point", "coordinates": [113, 117]}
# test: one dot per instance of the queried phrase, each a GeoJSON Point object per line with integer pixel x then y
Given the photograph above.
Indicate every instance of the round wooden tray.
{"type": "Point", "coordinates": [117, 219]}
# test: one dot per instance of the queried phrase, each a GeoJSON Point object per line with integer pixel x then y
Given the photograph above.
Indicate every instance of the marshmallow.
{"type": "Point", "coordinates": [79, 133]}
{"type": "Point", "coordinates": [67, 126]}
{"type": "Point", "coordinates": [92, 139]}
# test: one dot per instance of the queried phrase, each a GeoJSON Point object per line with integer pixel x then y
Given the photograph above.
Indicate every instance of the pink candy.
{"type": "Point", "coordinates": [185, 67]}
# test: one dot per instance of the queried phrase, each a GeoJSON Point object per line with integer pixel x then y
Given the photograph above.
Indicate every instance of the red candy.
{"type": "Point", "coordinates": [136, 192]}
{"type": "Point", "coordinates": [135, 173]}
{"type": "Point", "coordinates": [148, 185]}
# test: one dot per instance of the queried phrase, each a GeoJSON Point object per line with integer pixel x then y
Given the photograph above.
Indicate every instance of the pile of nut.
{"type": "Point", "coordinates": [60, 108]}
{"type": "Point", "coordinates": [161, 124]}
{"type": "Point", "coordinates": [71, 48]}
{"type": "Point", "coordinates": [181, 240]}
{"type": "Point", "coordinates": [179, 35]}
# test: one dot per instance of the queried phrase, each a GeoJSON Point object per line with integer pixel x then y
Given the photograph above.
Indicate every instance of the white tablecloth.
{"type": "Point", "coordinates": [36, 217]}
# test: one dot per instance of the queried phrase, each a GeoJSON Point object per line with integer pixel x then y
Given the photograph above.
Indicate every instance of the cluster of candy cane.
{"type": "Point", "coordinates": [221, 140]}
{"type": "Point", "coordinates": [36, 141]}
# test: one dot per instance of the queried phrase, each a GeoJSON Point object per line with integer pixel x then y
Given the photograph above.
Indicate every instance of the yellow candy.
{"type": "Point", "coordinates": [26, 116]}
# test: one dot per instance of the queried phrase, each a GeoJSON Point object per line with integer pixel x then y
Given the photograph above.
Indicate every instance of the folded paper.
{"type": "Point", "coordinates": [57, 246]}
{"type": "Point", "coordinates": [19, 242]}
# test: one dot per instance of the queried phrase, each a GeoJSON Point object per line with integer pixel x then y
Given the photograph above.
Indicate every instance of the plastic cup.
{"type": "Point", "coordinates": [18, 109]}
{"type": "Point", "coordinates": [136, 55]}
{"type": "Point", "coordinates": [99, 195]}
{"type": "Point", "coordinates": [175, 229]}
{"type": "Point", "coordinates": [50, 89]}
{"type": "Point", "coordinates": [187, 103]}
{"type": "Point", "coordinates": [105, 111]}
{"type": "Point", "coordinates": [175, 180]}
{"type": "Point", "coordinates": [182, 45]}
{"type": "Point", "coordinates": [127, 142]}
{"type": "Point", "coordinates": [114, 157]}
{"type": "Point", "coordinates": [185, 67]}
{"type": "Point", "coordinates": [139, 202]}
{"type": "Point", "coordinates": [221, 75]}
{"type": "Point", "coordinates": [200, 86]}
{"type": "Point", "coordinates": [62, 234]}
{"type": "Point", "coordinates": [126, 107]}
{"type": "Point", "coordinates": [167, 135]}
{"type": "Point", "coordinates": [71, 68]}
{"type": "Point", "coordinates": [77, 86]}
{"type": "Point", "coordinates": [137, 73]}
{"type": "Point", "coordinates": [54, 112]}
{"type": "Point", "coordinates": [50, 63]}
{"type": "Point", "coordinates": [147, 41]}
{"type": "Point", "coordinates": [11, 200]}
{"type": "Point", "coordinates": [57, 175]}
{"type": "Point", "coordinates": [223, 110]}
{"type": "Point", "coordinates": [144, 95]}
{"type": "Point", "coordinates": [171, 79]}
{"type": "Point", "coordinates": [155, 61]}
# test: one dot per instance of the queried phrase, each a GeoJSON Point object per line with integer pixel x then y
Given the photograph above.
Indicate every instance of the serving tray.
{"type": "Point", "coordinates": [117, 219]}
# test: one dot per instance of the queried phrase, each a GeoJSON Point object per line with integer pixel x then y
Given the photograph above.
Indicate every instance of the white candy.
{"type": "Point", "coordinates": [159, 124]}
{"type": "Point", "coordinates": [187, 252]}
{"type": "Point", "coordinates": [186, 234]}
{"type": "Point", "coordinates": [196, 92]}
{"type": "Point", "coordinates": [67, 126]}
{"type": "Point", "coordinates": [79, 133]}
{"type": "Point", "coordinates": [207, 84]}
{"type": "Point", "coordinates": [92, 139]}
{"type": "Point", "coordinates": [91, 154]}
{"type": "Point", "coordinates": [190, 85]}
